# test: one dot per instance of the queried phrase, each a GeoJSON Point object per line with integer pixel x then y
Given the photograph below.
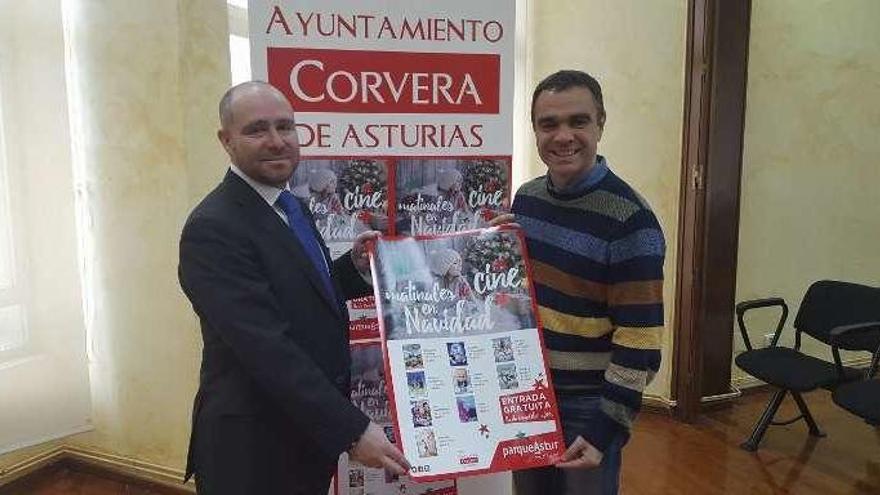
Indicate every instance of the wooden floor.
{"type": "Point", "coordinates": [66, 481]}
{"type": "Point", "coordinates": [665, 457]}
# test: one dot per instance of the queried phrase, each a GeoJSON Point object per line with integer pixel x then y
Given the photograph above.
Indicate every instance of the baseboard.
{"type": "Point", "coordinates": [656, 403]}
{"type": "Point", "coordinates": [130, 468]}
{"type": "Point", "coordinates": [163, 479]}
{"type": "Point", "coordinates": [57, 435]}
{"type": "Point", "coordinates": [739, 385]}
{"type": "Point", "coordinates": [746, 382]}
{"type": "Point", "coordinates": [30, 466]}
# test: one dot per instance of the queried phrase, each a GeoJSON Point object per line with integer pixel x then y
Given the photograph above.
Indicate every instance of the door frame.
{"type": "Point", "coordinates": [716, 63]}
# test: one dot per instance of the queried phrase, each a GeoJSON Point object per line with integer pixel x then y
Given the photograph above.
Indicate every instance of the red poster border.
{"type": "Point", "coordinates": [540, 327]}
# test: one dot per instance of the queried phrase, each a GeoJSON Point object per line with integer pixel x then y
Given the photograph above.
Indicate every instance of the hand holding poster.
{"type": "Point", "coordinates": [368, 393]}
{"type": "Point", "coordinates": [470, 384]}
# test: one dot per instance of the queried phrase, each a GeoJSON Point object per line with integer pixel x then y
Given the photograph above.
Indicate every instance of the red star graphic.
{"type": "Point", "coordinates": [484, 430]}
{"type": "Point", "coordinates": [539, 384]}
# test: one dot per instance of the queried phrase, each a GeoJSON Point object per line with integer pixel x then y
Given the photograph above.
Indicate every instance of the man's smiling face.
{"type": "Point", "coordinates": [260, 135]}
{"type": "Point", "coordinates": [567, 129]}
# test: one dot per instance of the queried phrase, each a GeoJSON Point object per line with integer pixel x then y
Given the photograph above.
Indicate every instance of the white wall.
{"type": "Point", "coordinates": [811, 157]}
{"type": "Point", "coordinates": [636, 50]}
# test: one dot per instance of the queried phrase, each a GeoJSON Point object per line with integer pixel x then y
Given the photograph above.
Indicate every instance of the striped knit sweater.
{"type": "Point", "coordinates": [597, 261]}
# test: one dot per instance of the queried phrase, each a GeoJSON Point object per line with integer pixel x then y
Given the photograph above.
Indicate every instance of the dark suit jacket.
{"type": "Point", "coordinates": [272, 413]}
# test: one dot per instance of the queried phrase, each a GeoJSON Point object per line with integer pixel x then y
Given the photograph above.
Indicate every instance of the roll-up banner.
{"type": "Point", "coordinates": [404, 116]}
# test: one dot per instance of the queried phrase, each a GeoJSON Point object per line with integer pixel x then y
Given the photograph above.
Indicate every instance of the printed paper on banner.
{"type": "Point", "coordinates": [471, 390]}
{"type": "Point", "coordinates": [441, 196]}
{"type": "Point", "coordinates": [369, 394]}
{"type": "Point", "coordinates": [346, 197]}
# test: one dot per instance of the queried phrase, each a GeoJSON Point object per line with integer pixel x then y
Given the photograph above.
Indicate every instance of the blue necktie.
{"type": "Point", "coordinates": [302, 229]}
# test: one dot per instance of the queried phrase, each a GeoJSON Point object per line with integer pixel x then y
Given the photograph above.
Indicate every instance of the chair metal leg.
{"type": "Point", "coordinates": [761, 427]}
{"type": "Point", "coordinates": [811, 423]}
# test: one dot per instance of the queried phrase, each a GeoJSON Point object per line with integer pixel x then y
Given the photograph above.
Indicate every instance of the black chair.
{"type": "Point", "coordinates": [826, 306]}
{"type": "Point", "coordinates": [861, 397]}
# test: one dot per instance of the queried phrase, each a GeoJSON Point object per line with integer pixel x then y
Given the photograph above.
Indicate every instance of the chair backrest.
{"type": "Point", "coordinates": [829, 304]}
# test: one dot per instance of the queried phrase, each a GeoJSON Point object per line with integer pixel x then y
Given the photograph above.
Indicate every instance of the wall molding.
{"type": "Point", "coordinates": [127, 469]}
{"type": "Point", "coordinates": [30, 465]}
{"type": "Point", "coordinates": [50, 438]}
{"type": "Point", "coordinates": [659, 403]}
{"type": "Point", "coordinates": [740, 383]}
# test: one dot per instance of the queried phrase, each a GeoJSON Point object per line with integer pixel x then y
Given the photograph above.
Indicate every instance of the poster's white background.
{"type": "Point", "coordinates": [455, 438]}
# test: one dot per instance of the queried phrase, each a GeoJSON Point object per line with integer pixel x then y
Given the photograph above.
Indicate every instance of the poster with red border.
{"type": "Point", "coordinates": [464, 354]}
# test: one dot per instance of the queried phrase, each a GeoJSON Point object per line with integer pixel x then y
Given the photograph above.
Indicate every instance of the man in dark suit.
{"type": "Point", "coordinates": [272, 413]}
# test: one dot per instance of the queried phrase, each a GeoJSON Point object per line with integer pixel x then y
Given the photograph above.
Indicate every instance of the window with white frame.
{"type": "Point", "coordinates": [13, 329]}
{"type": "Point", "coordinates": [239, 44]}
{"type": "Point", "coordinates": [43, 361]}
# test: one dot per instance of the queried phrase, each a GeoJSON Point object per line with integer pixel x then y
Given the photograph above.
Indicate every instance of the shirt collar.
{"type": "Point", "coordinates": [268, 193]}
{"type": "Point", "coordinates": [589, 178]}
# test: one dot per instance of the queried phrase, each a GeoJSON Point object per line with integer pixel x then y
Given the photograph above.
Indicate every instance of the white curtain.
{"type": "Point", "coordinates": [43, 365]}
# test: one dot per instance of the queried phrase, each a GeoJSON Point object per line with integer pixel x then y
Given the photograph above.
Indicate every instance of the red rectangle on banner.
{"type": "Point", "coordinates": [354, 81]}
{"type": "Point", "coordinates": [363, 329]}
{"type": "Point", "coordinates": [526, 407]}
{"type": "Point", "coordinates": [366, 302]}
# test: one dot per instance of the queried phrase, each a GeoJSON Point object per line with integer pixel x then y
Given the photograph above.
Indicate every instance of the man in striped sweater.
{"type": "Point", "coordinates": [597, 254]}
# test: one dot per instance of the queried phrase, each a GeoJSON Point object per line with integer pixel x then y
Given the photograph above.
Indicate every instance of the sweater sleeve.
{"type": "Point", "coordinates": [635, 306]}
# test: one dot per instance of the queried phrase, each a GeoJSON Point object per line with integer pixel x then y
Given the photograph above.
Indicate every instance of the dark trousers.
{"type": "Point", "coordinates": [575, 412]}
{"type": "Point", "coordinates": [246, 455]}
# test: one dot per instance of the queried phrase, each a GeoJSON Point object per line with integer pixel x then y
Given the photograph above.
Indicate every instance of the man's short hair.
{"type": "Point", "coordinates": [567, 79]}
{"type": "Point", "coordinates": [225, 107]}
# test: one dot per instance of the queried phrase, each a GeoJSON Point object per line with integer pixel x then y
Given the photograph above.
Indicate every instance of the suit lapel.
{"type": "Point", "coordinates": [269, 222]}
